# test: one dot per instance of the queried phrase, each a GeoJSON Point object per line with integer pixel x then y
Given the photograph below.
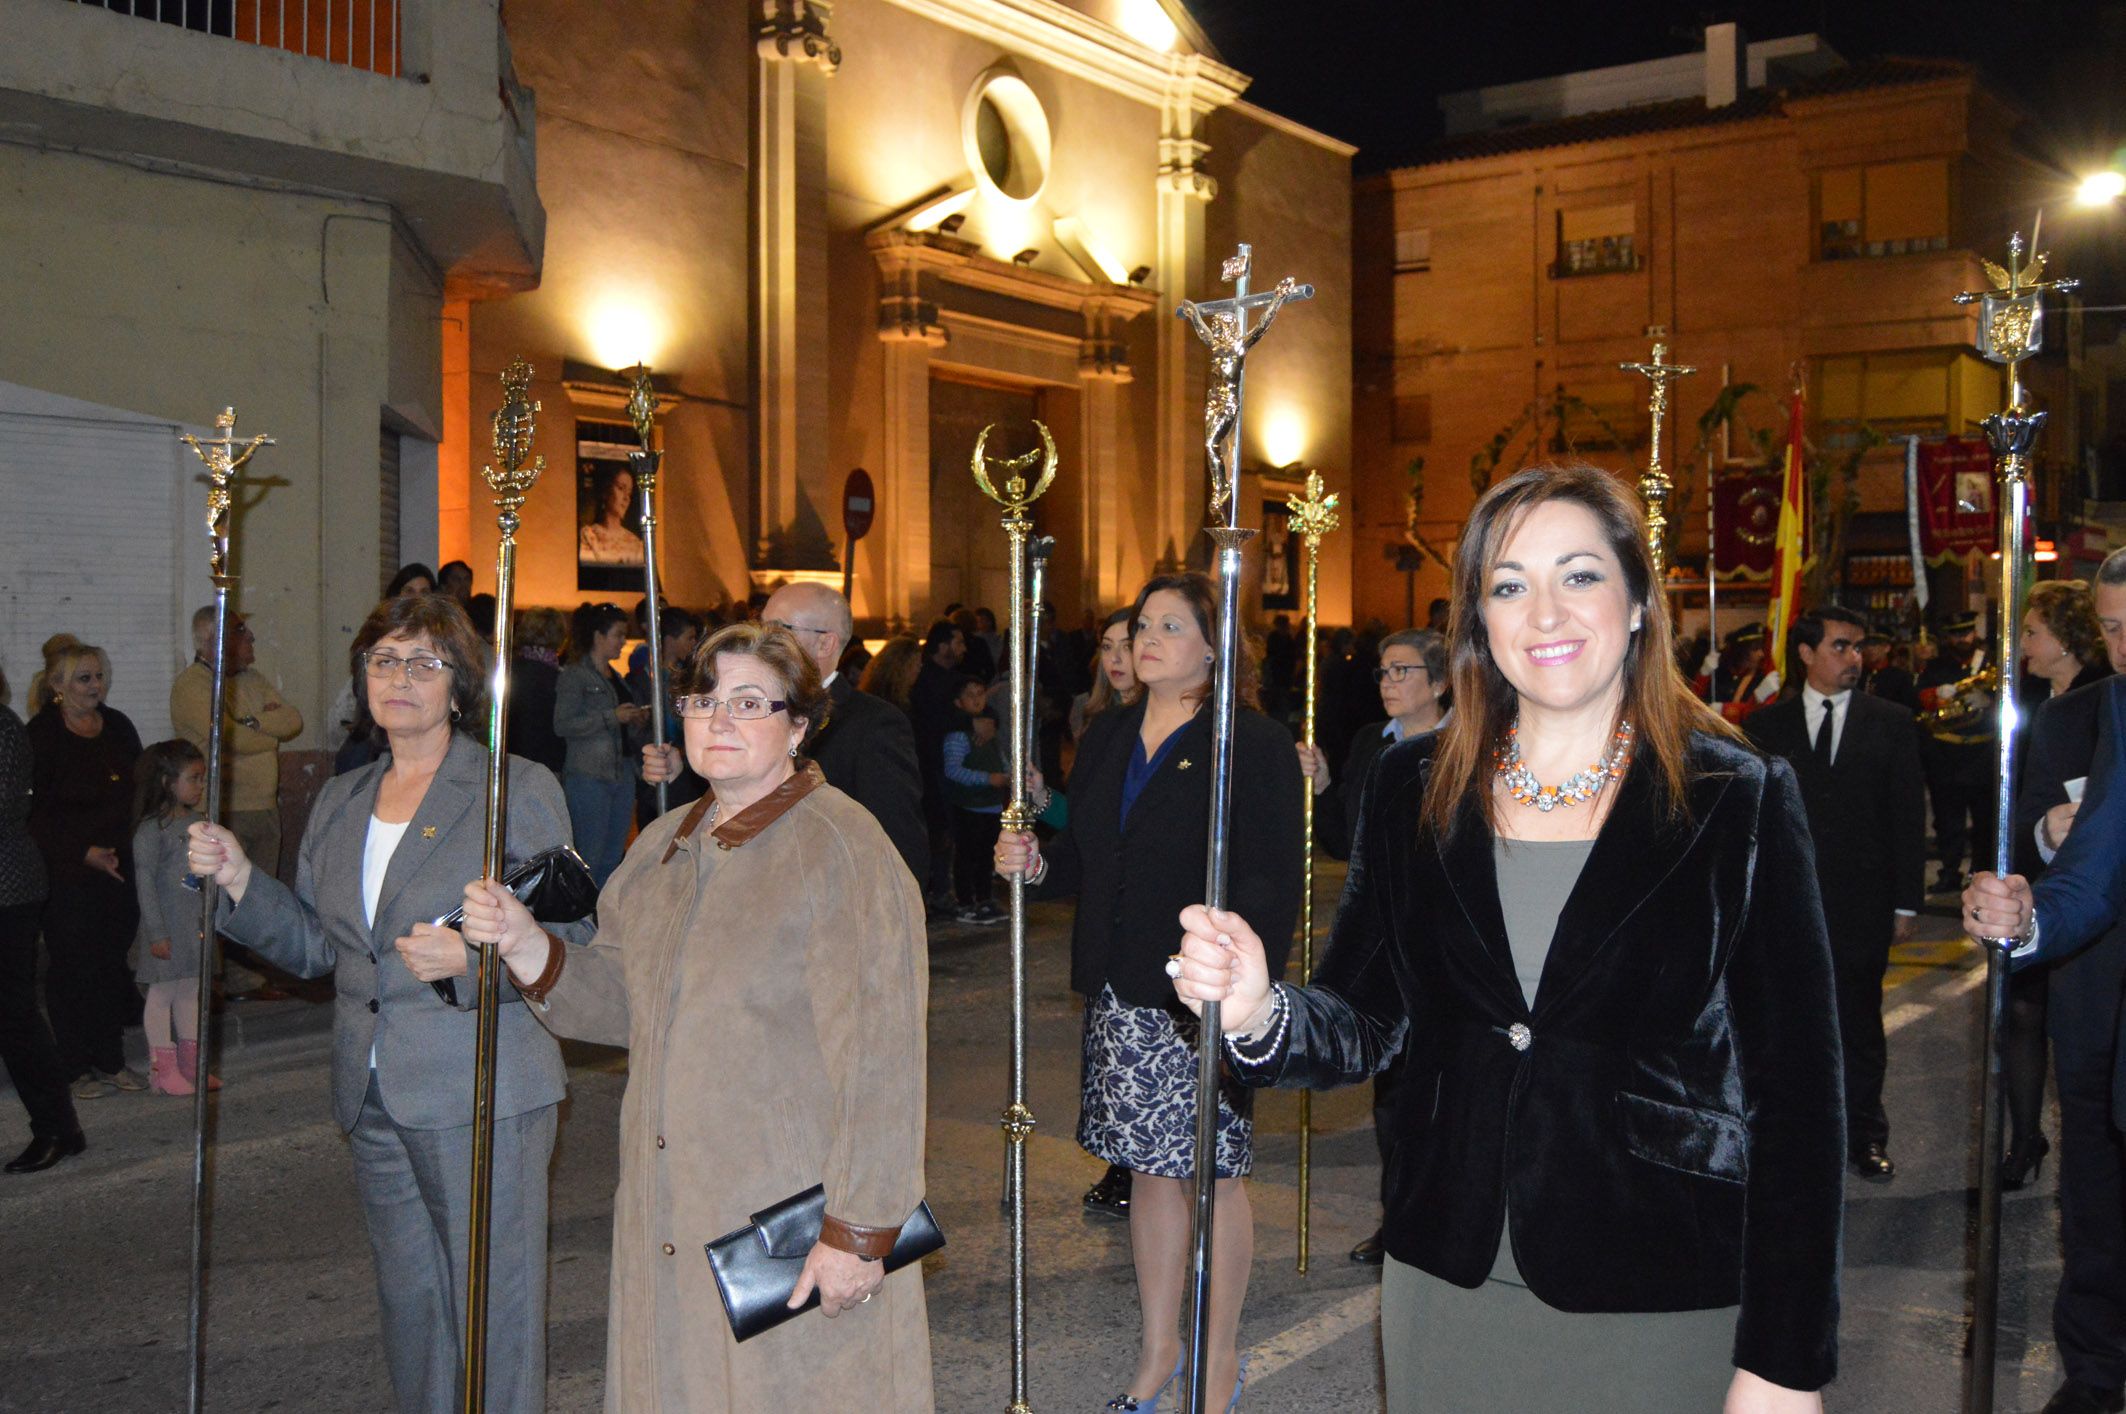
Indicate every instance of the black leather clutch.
{"type": "Point", "coordinates": [757, 1266]}
{"type": "Point", "coordinates": [555, 884]}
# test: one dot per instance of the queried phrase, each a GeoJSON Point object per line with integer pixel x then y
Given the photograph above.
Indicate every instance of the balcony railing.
{"type": "Point", "coordinates": [357, 34]}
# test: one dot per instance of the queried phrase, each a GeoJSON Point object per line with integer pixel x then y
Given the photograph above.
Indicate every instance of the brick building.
{"type": "Point", "coordinates": [1774, 210]}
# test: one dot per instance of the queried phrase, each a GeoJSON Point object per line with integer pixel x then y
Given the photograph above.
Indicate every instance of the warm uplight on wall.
{"type": "Point", "coordinates": [2100, 188]}
{"type": "Point", "coordinates": [1081, 244]}
{"type": "Point", "coordinates": [1284, 437]}
{"type": "Point", "coordinates": [1147, 22]}
{"type": "Point", "coordinates": [941, 208]}
{"type": "Point", "coordinates": [622, 332]}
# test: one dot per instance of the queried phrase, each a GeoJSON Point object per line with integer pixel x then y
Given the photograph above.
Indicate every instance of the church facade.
{"type": "Point", "coordinates": [851, 236]}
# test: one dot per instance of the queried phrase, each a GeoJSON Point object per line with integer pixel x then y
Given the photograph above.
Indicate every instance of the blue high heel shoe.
{"type": "Point", "coordinates": [1238, 1385]}
{"type": "Point", "coordinates": [1130, 1404]}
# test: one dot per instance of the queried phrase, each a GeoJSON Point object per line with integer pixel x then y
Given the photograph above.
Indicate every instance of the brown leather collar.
{"type": "Point", "coordinates": [747, 823]}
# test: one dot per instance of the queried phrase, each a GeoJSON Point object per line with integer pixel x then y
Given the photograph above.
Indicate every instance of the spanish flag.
{"type": "Point", "coordinates": [1789, 541]}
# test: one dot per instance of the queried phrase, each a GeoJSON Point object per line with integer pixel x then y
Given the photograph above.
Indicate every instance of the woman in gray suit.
{"type": "Point", "coordinates": [389, 847]}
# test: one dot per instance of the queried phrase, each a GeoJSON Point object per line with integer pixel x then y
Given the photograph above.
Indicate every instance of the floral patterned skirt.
{"type": "Point", "coordinates": [1138, 1108]}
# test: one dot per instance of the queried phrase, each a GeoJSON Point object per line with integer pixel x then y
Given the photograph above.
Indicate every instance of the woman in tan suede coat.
{"type": "Point", "coordinates": [762, 956]}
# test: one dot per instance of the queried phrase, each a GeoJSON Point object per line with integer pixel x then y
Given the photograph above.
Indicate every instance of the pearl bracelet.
{"type": "Point", "coordinates": [1264, 1048]}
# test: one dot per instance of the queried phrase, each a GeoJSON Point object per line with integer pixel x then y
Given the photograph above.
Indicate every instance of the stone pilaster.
{"type": "Point", "coordinates": [1184, 190]}
{"type": "Point", "coordinates": [795, 58]}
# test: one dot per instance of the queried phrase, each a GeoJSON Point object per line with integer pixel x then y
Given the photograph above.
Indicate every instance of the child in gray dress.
{"type": "Point", "coordinates": [171, 779]}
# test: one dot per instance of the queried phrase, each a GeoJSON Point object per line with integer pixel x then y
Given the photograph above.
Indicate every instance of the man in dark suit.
{"type": "Point", "coordinates": [1857, 758]}
{"type": "Point", "coordinates": [1960, 752]}
{"type": "Point", "coordinates": [2085, 993]}
{"type": "Point", "coordinates": [1879, 677]}
{"type": "Point", "coordinates": [867, 748]}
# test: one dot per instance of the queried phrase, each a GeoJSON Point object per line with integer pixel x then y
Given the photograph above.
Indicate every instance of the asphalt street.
{"type": "Point", "coordinates": [94, 1252]}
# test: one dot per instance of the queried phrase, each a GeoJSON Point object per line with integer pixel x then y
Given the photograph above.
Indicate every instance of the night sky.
{"type": "Point", "coordinates": [1369, 71]}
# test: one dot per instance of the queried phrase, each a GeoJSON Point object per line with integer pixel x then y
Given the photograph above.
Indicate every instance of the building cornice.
{"type": "Point", "coordinates": [1285, 125]}
{"type": "Point", "coordinates": [1078, 45]}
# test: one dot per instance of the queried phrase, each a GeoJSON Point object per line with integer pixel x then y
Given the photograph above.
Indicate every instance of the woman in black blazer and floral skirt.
{"type": "Point", "coordinates": [1588, 914]}
{"type": "Point", "coordinates": [1134, 854]}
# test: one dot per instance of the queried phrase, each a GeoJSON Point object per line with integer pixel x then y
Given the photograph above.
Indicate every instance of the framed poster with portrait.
{"type": "Point", "coordinates": [609, 554]}
{"type": "Point", "coordinates": [1280, 557]}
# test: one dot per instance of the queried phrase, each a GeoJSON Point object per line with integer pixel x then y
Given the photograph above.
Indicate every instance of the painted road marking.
{"type": "Point", "coordinates": [1356, 1311]}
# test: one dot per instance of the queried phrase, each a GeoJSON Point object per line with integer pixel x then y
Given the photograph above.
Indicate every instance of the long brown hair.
{"type": "Point", "coordinates": [1103, 695]}
{"type": "Point", "coordinates": [1202, 597]}
{"type": "Point", "coordinates": [1657, 702]}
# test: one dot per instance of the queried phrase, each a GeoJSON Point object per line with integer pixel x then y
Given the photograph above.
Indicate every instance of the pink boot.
{"type": "Point", "coordinates": [188, 1063]}
{"type": "Point", "coordinates": [164, 1077]}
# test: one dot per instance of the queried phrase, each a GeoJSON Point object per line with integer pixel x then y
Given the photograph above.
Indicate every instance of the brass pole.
{"type": "Point", "coordinates": [2011, 329]}
{"type": "Point", "coordinates": [510, 479]}
{"type": "Point", "coordinates": [1313, 516]}
{"type": "Point", "coordinates": [223, 460]}
{"type": "Point", "coordinates": [642, 411]}
{"type": "Point", "coordinates": [1018, 1121]}
{"type": "Point", "coordinates": [1654, 485]}
{"type": "Point", "coordinates": [1223, 326]}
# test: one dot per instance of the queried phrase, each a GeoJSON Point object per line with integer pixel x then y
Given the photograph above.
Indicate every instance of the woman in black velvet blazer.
{"type": "Point", "coordinates": [1133, 856]}
{"type": "Point", "coordinates": [1653, 1126]}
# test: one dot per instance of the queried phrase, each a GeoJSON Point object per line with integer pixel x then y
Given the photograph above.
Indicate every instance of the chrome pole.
{"type": "Point", "coordinates": [510, 481]}
{"type": "Point", "coordinates": [642, 410]}
{"type": "Point", "coordinates": [1018, 1122]}
{"type": "Point", "coordinates": [223, 460]}
{"type": "Point", "coordinates": [2011, 329]}
{"type": "Point", "coordinates": [1223, 326]}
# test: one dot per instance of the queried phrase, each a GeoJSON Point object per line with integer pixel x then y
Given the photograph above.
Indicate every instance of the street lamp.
{"type": "Point", "coordinates": [2100, 188]}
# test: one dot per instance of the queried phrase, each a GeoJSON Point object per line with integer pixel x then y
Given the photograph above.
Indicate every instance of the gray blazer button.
{"type": "Point", "coordinates": [372, 1004]}
{"type": "Point", "coordinates": [1519, 1036]}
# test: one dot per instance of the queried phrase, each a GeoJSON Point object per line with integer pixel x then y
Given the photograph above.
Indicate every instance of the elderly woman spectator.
{"type": "Point", "coordinates": [389, 847]}
{"type": "Point", "coordinates": [593, 714]}
{"type": "Point", "coordinates": [25, 1041]}
{"type": "Point", "coordinates": [1588, 913]}
{"type": "Point", "coordinates": [762, 955]}
{"type": "Point", "coordinates": [2063, 649]}
{"type": "Point", "coordinates": [1133, 853]}
{"type": "Point", "coordinates": [82, 817]}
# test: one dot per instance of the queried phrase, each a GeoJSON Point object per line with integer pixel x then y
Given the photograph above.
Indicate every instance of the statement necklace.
{"type": "Point", "coordinates": [1575, 789]}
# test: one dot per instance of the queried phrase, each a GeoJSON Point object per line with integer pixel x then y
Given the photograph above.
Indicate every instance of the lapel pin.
{"type": "Point", "coordinates": [428, 832]}
{"type": "Point", "coordinates": [1183, 764]}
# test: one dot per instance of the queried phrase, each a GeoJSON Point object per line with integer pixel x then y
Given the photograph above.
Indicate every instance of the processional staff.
{"type": "Point", "coordinates": [642, 411]}
{"type": "Point", "coordinates": [510, 478]}
{"type": "Point", "coordinates": [1313, 516]}
{"type": "Point", "coordinates": [1654, 486]}
{"type": "Point", "coordinates": [224, 456]}
{"type": "Point", "coordinates": [1224, 327]}
{"type": "Point", "coordinates": [1017, 498]}
{"type": "Point", "coordinates": [2011, 328]}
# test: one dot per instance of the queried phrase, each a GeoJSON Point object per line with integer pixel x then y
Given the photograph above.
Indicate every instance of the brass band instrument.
{"type": "Point", "coordinates": [1960, 712]}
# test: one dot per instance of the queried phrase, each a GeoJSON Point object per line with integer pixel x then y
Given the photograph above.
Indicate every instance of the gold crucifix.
{"type": "Point", "coordinates": [223, 461]}
{"type": "Point", "coordinates": [1654, 485]}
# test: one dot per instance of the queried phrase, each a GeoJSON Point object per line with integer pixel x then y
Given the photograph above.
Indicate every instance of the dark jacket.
{"type": "Point", "coordinates": [83, 797]}
{"type": "Point", "coordinates": [531, 714]}
{"type": "Point", "coordinates": [1672, 1136]}
{"type": "Point", "coordinates": [1866, 813]}
{"type": "Point", "coordinates": [2085, 1016]}
{"type": "Point", "coordinates": [1133, 881]}
{"type": "Point", "coordinates": [867, 752]}
{"type": "Point", "coordinates": [2082, 896]}
{"type": "Point", "coordinates": [1893, 684]}
{"type": "Point", "coordinates": [22, 877]}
